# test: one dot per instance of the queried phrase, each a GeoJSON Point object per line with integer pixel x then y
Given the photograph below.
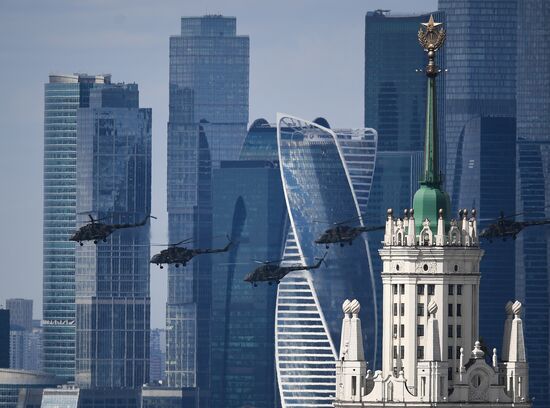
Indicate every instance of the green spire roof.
{"type": "Point", "coordinates": [430, 197]}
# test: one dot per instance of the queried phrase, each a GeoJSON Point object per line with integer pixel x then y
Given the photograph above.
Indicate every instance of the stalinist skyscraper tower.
{"type": "Point", "coordinates": [431, 353]}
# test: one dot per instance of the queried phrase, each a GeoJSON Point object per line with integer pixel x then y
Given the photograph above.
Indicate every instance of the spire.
{"type": "Point", "coordinates": [429, 199]}
{"type": "Point", "coordinates": [507, 331]}
{"type": "Point", "coordinates": [431, 39]}
{"type": "Point", "coordinates": [356, 352]}
{"type": "Point", "coordinates": [344, 339]}
{"type": "Point", "coordinates": [517, 342]}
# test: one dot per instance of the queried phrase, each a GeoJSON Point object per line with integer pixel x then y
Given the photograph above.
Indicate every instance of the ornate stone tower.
{"type": "Point", "coordinates": [431, 355]}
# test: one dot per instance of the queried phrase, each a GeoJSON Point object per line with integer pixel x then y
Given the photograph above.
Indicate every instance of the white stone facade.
{"type": "Point", "coordinates": [431, 354]}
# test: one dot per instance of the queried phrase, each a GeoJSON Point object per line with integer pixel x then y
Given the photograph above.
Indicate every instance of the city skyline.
{"type": "Point", "coordinates": [33, 53]}
{"type": "Point", "coordinates": [220, 168]}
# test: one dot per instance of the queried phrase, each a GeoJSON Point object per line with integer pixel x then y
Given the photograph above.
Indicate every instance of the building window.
{"type": "Point", "coordinates": [394, 289]}
{"type": "Point", "coordinates": [420, 309]}
{"type": "Point", "coordinates": [420, 352]}
{"type": "Point", "coordinates": [394, 331]}
{"type": "Point", "coordinates": [353, 385]}
{"type": "Point", "coordinates": [420, 330]}
{"type": "Point", "coordinates": [458, 331]}
{"type": "Point", "coordinates": [395, 309]}
{"type": "Point", "coordinates": [450, 310]}
{"type": "Point", "coordinates": [402, 331]}
{"type": "Point", "coordinates": [450, 373]}
{"type": "Point", "coordinates": [402, 349]}
{"type": "Point", "coordinates": [451, 289]}
{"type": "Point", "coordinates": [420, 289]}
{"type": "Point", "coordinates": [431, 289]}
{"type": "Point", "coordinates": [459, 289]}
{"type": "Point", "coordinates": [402, 309]}
{"type": "Point", "coordinates": [449, 352]}
{"type": "Point", "coordinates": [394, 351]}
{"type": "Point", "coordinates": [459, 309]}
{"type": "Point", "coordinates": [450, 331]}
{"type": "Point", "coordinates": [402, 289]}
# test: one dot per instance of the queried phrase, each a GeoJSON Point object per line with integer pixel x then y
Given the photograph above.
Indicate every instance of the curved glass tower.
{"type": "Point", "coordinates": [321, 189]}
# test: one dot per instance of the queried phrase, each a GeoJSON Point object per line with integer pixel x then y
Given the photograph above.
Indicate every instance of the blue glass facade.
{"type": "Point", "coordinates": [533, 189]}
{"type": "Point", "coordinates": [112, 277]}
{"type": "Point", "coordinates": [249, 205]}
{"type": "Point", "coordinates": [480, 122]}
{"type": "Point", "coordinates": [318, 175]}
{"type": "Point", "coordinates": [63, 95]}
{"type": "Point", "coordinates": [208, 115]}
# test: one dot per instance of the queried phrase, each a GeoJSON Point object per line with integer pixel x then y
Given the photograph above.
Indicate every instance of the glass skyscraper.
{"type": "Point", "coordinates": [322, 172]}
{"type": "Point", "coordinates": [112, 277]}
{"type": "Point", "coordinates": [208, 115]}
{"type": "Point", "coordinates": [249, 205]}
{"type": "Point", "coordinates": [533, 188]}
{"type": "Point", "coordinates": [480, 132]}
{"type": "Point", "coordinates": [63, 95]}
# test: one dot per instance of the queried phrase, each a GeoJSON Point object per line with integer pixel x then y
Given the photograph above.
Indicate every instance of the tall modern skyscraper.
{"type": "Point", "coordinates": [324, 172]}
{"type": "Point", "coordinates": [112, 277]}
{"type": "Point", "coordinates": [480, 122]}
{"type": "Point", "coordinates": [533, 187]}
{"type": "Point", "coordinates": [208, 115]}
{"type": "Point", "coordinates": [20, 314]}
{"type": "Point", "coordinates": [25, 340]}
{"type": "Point", "coordinates": [249, 205]}
{"type": "Point", "coordinates": [63, 95]}
{"type": "Point", "coordinates": [157, 355]}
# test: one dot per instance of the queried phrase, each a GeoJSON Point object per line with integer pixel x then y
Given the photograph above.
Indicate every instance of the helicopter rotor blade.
{"type": "Point", "coordinates": [360, 216]}
{"type": "Point", "coordinates": [512, 215]}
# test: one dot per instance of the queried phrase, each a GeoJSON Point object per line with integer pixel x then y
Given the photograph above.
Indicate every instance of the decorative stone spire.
{"type": "Point", "coordinates": [430, 198]}
{"type": "Point", "coordinates": [344, 341]}
{"type": "Point", "coordinates": [356, 352]}
{"type": "Point", "coordinates": [411, 232]}
{"type": "Point", "coordinates": [507, 331]}
{"type": "Point", "coordinates": [517, 342]}
{"type": "Point", "coordinates": [477, 353]}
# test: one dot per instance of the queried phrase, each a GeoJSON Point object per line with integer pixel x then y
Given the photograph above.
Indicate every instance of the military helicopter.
{"type": "Point", "coordinates": [505, 227]}
{"type": "Point", "coordinates": [272, 271]}
{"type": "Point", "coordinates": [341, 233]}
{"type": "Point", "coordinates": [180, 255]}
{"type": "Point", "coordinates": [97, 231]}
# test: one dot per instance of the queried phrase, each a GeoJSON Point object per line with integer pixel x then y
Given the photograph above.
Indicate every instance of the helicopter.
{"type": "Point", "coordinates": [505, 227]}
{"type": "Point", "coordinates": [180, 255]}
{"type": "Point", "coordinates": [272, 271]}
{"type": "Point", "coordinates": [342, 234]}
{"type": "Point", "coordinates": [96, 230]}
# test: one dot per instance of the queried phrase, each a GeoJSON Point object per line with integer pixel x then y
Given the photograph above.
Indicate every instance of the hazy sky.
{"type": "Point", "coordinates": [306, 58]}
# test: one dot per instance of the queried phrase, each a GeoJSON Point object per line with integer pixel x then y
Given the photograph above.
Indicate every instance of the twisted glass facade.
{"type": "Point", "coordinates": [319, 189]}
{"type": "Point", "coordinates": [208, 112]}
{"type": "Point", "coordinates": [480, 122]}
{"type": "Point", "coordinates": [112, 277]}
{"type": "Point", "coordinates": [63, 95]}
{"type": "Point", "coordinates": [533, 188]}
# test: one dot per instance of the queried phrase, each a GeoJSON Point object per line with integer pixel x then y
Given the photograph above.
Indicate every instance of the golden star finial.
{"type": "Point", "coordinates": [431, 24]}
